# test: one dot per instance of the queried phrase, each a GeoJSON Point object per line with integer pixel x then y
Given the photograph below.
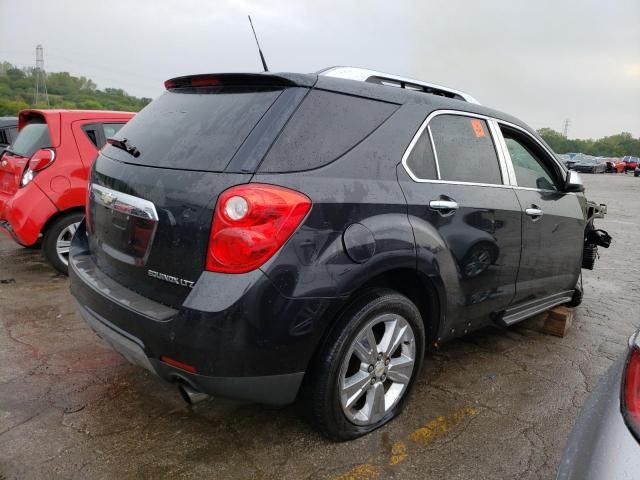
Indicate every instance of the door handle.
{"type": "Point", "coordinates": [534, 212]}
{"type": "Point", "coordinates": [444, 206]}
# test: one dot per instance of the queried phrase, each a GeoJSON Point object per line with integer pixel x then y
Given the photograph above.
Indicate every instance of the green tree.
{"type": "Point", "coordinates": [17, 86]}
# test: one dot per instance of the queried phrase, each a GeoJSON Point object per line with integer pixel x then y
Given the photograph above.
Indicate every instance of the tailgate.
{"type": "Point", "coordinates": [149, 228]}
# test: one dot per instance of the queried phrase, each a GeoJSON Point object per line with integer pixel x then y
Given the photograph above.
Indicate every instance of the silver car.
{"type": "Point", "coordinates": [605, 441]}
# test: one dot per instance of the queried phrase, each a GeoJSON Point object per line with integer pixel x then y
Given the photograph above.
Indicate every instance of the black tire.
{"type": "Point", "coordinates": [50, 238]}
{"type": "Point", "coordinates": [321, 396]}
{"type": "Point", "coordinates": [576, 300]}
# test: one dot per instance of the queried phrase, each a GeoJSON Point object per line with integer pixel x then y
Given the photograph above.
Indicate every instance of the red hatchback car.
{"type": "Point", "coordinates": [43, 176]}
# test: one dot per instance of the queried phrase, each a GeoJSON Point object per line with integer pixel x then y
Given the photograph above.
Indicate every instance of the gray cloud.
{"type": "Point", "coordinates": [542, 61]}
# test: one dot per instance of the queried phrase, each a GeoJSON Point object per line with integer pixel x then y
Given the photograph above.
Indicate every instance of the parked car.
{"type": "Point", "coordinates": [43, 176]}
{"type": "Point", "coordinates": [615, 165]}
{"type": "Point", "coordinates": [273, 236]}
{"type": "Point", "coordinates": [567, 160]}
{"type": "Point", "coordinates": [631, 162]}
{"type": "Point", "coordinates": [605, 441]}
{"type": "Point", "coordinates": [590, 165]}
{"type": "Point", "coordinates": [8, 132]}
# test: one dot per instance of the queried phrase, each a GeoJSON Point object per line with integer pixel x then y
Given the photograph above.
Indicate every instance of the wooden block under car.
{"type": "Point", "coordinates": [556, 321]}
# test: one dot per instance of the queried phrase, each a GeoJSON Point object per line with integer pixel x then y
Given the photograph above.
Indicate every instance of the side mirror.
{"type": "Point", "coordinates": [574, 182]}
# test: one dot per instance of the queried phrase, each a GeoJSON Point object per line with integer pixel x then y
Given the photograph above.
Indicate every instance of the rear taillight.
{"type": "Point", "coordinates": [250, 223]}
{"type": "Point", "coordinates": [631, 390]}
{"type": "Point", "coordinates": [38, 161]}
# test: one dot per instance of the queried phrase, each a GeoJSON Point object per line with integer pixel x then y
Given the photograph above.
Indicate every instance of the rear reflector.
{"type": "Point", "coordinates": [250, 223]}
{"type": "Point", "coordinates": [177, 364]}
{"type": "Point", "coordinates": [631, 391]}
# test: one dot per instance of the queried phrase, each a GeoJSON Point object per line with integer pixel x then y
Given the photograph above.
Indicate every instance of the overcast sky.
{"type": "Point", "coordinates": [542, 61]}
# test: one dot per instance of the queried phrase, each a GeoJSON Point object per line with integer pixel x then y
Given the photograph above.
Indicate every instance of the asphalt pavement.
{"type": "Point", "coordinates": [497, 404]}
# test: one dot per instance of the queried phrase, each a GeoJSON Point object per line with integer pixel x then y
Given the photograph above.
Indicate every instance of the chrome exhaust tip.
{"type": "Point", "coordinates": [191, 395]}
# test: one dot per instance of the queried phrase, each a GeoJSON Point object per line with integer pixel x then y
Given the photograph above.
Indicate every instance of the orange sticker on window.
{"type": "Point", "coordinates": [477, 128]}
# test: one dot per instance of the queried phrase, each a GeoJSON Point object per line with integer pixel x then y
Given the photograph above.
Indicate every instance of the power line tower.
{"type": "Point", "coordinates": [565, 128]}
{"type": "Point", "coordinates": [41, 78]}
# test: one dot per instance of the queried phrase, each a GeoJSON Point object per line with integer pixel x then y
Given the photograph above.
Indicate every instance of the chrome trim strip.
{"type": "Point", "coordinates": [123, 202]}
{"type": "Point", "coordinates": [497, 144]}
{"type": "Point", "coordinates": [435, 153]}
{"type": "Point", "coordinates": [362, 74]}
{"type": "Point", "coordinates": [509, 180]}
{"type": "Point", "coordinates": [425, 124]}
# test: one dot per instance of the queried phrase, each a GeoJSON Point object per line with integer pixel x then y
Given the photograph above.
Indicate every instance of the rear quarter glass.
{"type": "Point", "coordinates": [194, 128]}
{"type": "Point", "coordinates": [325, 127]}
{"type": "Point", "coordinates": [32, 137]}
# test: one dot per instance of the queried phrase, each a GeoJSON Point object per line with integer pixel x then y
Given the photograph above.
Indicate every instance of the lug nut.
{"type": "Point", "coordinates": [373, 381]}
{"type": "Point", "coordinates": [383, 377]}
{"type": "Point", "coordinates": [370, 368]}
{"type": "Point", "coordinates": [380, 356]}
{"type": "Point", "coordinates": [386, 362]}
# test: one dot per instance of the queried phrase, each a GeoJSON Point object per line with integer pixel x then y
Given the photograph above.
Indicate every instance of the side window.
{"type": "Point", "coordinates": [110, 129]}
{"type": "Point", "coordinates": [464, 149]}
{"type": "Point", "coordinates": [3, 138]}
{"type": "Point", "coordinates": [91, 130]}
{"type": "Point", "coordinates": [531, 169]}
{"type": "Point", "coordinates": [421, 161]}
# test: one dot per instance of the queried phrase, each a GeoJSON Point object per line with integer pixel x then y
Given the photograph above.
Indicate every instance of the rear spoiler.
{"type": "Point", "coordinates": [242, 79]}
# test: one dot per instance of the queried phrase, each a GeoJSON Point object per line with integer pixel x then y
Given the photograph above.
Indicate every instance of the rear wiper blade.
{"type": "Point", "coordinates": [124, 145]}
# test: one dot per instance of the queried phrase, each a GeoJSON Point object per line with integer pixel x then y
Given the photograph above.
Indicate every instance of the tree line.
{"type": "Point", "coordinates": [17, 87]}
{"type": "Point", "coordinates": [619, 145]}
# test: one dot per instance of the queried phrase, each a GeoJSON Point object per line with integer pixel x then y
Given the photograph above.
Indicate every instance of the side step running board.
{"type": "Point", "coordinates": [529, 309]}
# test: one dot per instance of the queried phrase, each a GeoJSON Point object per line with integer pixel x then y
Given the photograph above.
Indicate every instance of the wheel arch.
{"type": "Point", "coordinates": [60, 213]}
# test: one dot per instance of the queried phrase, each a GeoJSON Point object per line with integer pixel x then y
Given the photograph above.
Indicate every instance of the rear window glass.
{"type": "Point", "coordinates": [194, 128]}
{"type": "Point", "coordinates": [464, 149]}
{"type": "Point", "coordinates": [31, 138]}
{"type": "Point", "coordinates": [324, 128]}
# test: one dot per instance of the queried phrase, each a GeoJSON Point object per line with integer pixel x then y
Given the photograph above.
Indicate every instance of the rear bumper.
{"type": "Point", "coordinates": [244, 340]}
{"type": "Point", "coordinates": [24, 214]}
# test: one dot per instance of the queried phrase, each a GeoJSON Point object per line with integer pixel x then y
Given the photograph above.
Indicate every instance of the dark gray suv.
{"type": "Point", "coordinates": [278, 236]}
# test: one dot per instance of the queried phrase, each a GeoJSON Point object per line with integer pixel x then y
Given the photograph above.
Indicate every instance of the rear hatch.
{"type": "Point", "coordinates": [33, 136]}
{"type": "Point", "coordinates": [154, 187]}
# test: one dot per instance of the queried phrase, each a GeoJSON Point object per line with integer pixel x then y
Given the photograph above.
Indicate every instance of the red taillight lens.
{"type": "Point", "coordinates": [631, 391]}
{"type": "Point", "coordinates": [250, 223]}
{"type": "Point", "coordinates": [42, 159]}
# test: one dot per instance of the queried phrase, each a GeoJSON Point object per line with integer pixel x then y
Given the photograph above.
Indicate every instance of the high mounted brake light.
{"type": "Point", "coordinates": [238, 79]}
{"type": "Point", "coordinates": [250, 224]}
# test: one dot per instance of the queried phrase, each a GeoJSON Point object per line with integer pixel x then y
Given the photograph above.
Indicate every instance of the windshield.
{"type": "Point", "coordinates": [31, 138]}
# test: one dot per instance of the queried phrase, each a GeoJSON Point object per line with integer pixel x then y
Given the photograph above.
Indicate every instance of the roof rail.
{"type": "Point", "coordinates": [380, 78]}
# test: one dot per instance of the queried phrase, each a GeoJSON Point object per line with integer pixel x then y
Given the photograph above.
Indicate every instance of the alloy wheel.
{"type": "Point", "coordinates": [63, 242]}
{"type": "Point", "coordinates": [377, 369]}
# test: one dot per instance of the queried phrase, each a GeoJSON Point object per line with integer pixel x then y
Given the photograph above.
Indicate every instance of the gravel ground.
{"type": "Point", "coordinates": [497, 404]}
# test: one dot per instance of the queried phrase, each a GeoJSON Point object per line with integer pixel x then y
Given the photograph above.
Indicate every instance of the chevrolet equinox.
{"type": "Point", "coordinates": [269, 237]}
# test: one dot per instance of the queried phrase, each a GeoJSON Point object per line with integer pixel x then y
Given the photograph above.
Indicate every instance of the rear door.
{"type": "Point", "coordinates": [552, 221]}
{"type": "Point", "coordinates": [459, 189]}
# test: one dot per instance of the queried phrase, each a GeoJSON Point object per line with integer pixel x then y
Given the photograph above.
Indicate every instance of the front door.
{"type": "Point", "coordinates": [552, 221]}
